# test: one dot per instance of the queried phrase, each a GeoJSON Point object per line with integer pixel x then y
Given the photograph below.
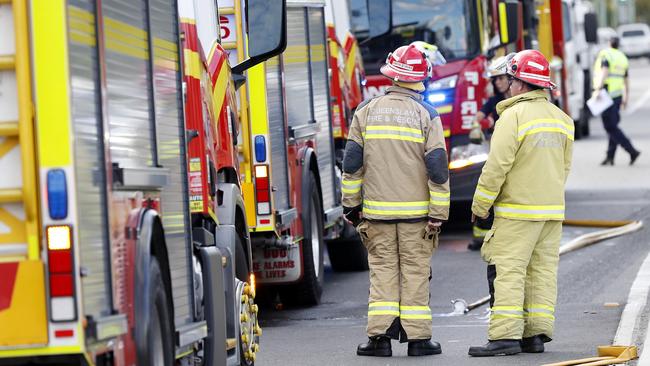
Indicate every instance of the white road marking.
{"type": "Point", "coordinates": [636, 301]}
{"type": "Point", "coordinates": [639, 103]}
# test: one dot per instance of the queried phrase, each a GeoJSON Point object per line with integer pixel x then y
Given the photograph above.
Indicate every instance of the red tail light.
{"type": "Point", "coordinates": [61, 273]}
{"type": "Point", "coordinates": [262, 190]}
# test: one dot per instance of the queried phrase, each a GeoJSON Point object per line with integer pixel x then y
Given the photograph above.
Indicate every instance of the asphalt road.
{"type": "Point", "coordinates": [593, 282]}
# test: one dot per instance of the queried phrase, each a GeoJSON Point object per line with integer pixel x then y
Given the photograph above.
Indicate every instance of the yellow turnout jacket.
{"type": "Point", "coordinates": [529, 161]}
{"type": "Point", "coordinates": [395, 162]}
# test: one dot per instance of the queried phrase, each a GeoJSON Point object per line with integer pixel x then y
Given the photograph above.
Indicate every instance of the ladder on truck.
{"type": "Point", "coordinates": [21, 268]}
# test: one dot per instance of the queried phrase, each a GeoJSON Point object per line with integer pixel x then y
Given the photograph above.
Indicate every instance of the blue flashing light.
{"type": "Point", "coordinates": [435, 98]}
{"type": "Point", "coordinates": [260, 149]}
{"type": "Point", "coordinates": [57, 194]}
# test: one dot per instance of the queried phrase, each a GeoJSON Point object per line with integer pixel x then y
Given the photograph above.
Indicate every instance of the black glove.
{"type": "Point", "coordinates": [352, 214]}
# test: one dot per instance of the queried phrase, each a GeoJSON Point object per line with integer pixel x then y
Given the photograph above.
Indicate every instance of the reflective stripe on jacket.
{"type": "Point", "coordinates": [618, 65]}
{"type": "Point", "coordinates": [529, 161]}
{"type": "Point", "coordinates": [396, 132]}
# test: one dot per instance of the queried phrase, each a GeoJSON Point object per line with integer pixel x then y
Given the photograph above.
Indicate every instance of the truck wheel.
{"type": "Point", "coordinates": [348, 253]}
{"type": "Point", "coordinates": [249, 328]}
{"type": "Point", "coordinates": [310, 288]}
{"type": "Point", "coordinates": [159, 341]}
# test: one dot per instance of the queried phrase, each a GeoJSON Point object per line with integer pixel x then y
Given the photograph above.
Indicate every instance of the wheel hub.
{"type": "Point", "coordinates": [249, 327]}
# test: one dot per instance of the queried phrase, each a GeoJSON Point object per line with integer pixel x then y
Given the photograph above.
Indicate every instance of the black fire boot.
{"type": "Point", "coordinates": [475, 244]}
{"type": "Point", "coordinates": [504, 347]}
{"type": "Point", "coordinates": [424, 347]}
{"type": "Point", "coordinates": [378, 346]}
{"type": "Point", "coordinates": [534, 344]}
{"type": "Point", "coordinates": [608, 161]}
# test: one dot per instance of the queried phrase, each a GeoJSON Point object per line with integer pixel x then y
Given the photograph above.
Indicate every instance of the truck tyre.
{"type": "Point", "coordinates": [348, 253]}
{"type": "Point", "coordinates": [159, 327]}
{"type": "Point", "coordinates": [310, 288]}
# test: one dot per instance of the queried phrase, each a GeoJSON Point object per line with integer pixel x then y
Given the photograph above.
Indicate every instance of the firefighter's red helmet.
{"type": "Point", "coordinates": [531, 66]}
{"type": "Point", "coordinates": [406, 64]}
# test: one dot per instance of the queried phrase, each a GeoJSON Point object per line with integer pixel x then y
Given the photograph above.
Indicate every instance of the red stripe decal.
{"type": "Point", "coordinates": [216, 63]}
{"type": "Point", "coordinates": [8, 272]}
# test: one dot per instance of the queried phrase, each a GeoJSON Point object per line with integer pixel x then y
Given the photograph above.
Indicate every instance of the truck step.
{"type": "Point", "coordinates": [9, 128]}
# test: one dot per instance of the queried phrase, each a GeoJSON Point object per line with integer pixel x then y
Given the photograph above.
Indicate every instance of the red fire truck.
{"type": "Point", "coordinates": [467, 33]}
{"type": "Point", "coordinates": [347, 80]}
{"type": "Point", "coordinates": [123, 237]}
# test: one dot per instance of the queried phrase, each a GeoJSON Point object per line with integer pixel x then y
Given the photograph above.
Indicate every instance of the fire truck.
{"type": "Point", "coordinates": [468, 33]}
{"type": "Point", "coordinates": [290, 178]}
{"type": "Point", "coordinates": [123, 236]}
{"type": "Point", "coordinates": [347, 78]}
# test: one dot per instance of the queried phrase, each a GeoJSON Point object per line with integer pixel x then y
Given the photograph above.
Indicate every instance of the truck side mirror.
{"type": "Point", "coordinates": [591, 28]}
{"type": "Point", "coordinates": [509, 11]}
{"type": "Point", "coordinates": [267, 31]}
{"type": "Point", "coordinates": [380, 17]}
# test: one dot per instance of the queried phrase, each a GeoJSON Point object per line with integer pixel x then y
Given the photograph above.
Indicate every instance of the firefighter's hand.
{"type": "Point", "coordinates": [353, 215]}
{"type": "Point", "coordinates": [624, 103]}
{"type": "Point", "coordinates": [476, 134]}
{"type": "Point", "coordinates": [491, 121]}
{"type": "Point", "coordinates": [474, 217]}
{"type": "Point", "coordinates": [596, 94]}
{"type": "Point", "coordinates": [433, 224]}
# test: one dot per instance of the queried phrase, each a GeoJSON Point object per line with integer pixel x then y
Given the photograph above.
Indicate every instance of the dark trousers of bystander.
{"type": "Point", "coordinates": [611, 118]}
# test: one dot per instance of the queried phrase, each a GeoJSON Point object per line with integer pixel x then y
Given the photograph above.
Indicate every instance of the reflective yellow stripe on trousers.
{"type": "Point", "coordinates": [396, 208]}
{"type": "Point", "coordinates": [515, 211]}
{"type": "Point", "coordinates": [351, 186]}
{"type": "Point", "coordinates": [539, 311]}
{"type": "Point", "coordinates": [383, 308]}
{"type": "Point", "coordinates": [477, 232]}
{"type": "Point", "coordinates": [415, 312]}
{"type": "Point", "coordinates": [501, 312]}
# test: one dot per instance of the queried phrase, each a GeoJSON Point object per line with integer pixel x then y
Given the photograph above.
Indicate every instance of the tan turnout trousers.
{"type": "Point", "coordinates": [522, 261]}
{"type": "Point", "coordinates": [399, 257]}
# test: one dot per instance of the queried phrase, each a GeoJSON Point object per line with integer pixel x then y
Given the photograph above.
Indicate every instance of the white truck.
{"type": "Point", "coordinates": [580, 41]}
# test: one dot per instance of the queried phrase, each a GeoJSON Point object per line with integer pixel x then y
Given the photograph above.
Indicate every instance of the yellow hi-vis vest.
{"type": "Point", "coordinates": [618, 65]}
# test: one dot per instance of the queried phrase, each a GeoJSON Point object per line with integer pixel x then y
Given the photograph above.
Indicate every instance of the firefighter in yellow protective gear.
{"type": "Point", "coordinates": [396, 191]}
{"type": "Point", "coordinates": [523, 179]}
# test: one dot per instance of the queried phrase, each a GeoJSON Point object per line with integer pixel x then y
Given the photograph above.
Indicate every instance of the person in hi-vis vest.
{"type": "Point", "coordinates": [611, 74]}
